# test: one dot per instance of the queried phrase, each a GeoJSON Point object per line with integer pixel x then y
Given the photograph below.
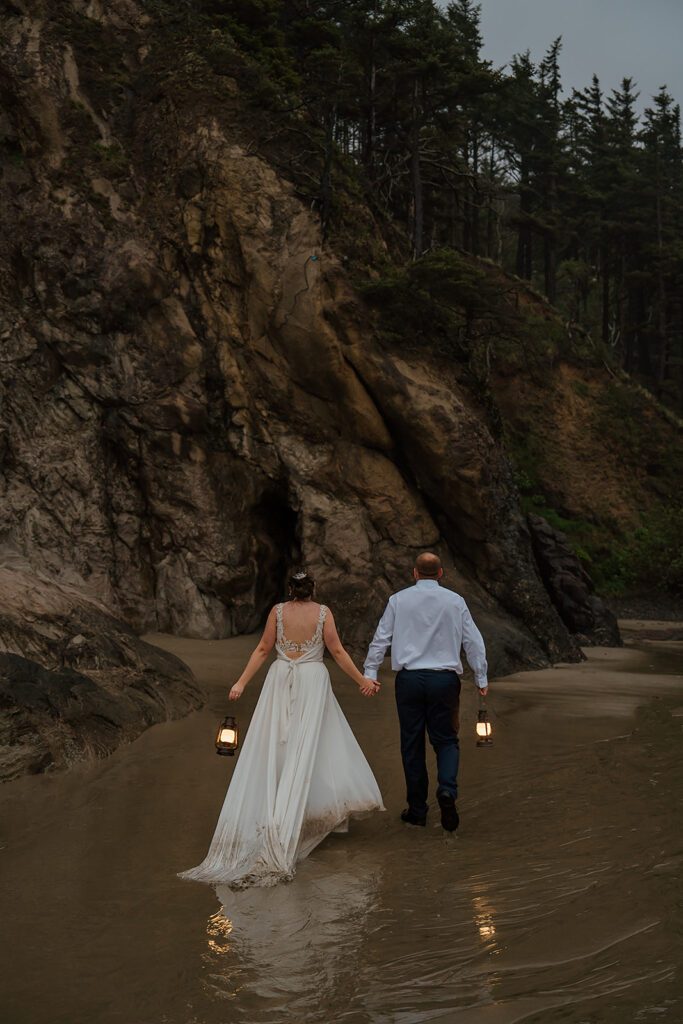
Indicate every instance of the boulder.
{"type": "Point", "coordinates": [74, 681]}
{"type": "Point", "coordinates": [571, 588]}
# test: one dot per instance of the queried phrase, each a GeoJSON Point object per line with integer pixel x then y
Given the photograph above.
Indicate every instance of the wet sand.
{"type": "Point", "coordinates": [555, 901]}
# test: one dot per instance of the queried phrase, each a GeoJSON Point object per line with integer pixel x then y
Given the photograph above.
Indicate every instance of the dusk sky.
{"type": "Point", "coordinates": [612, 38]}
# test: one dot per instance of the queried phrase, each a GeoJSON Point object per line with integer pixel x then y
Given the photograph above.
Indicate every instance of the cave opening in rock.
{"type": "Point", "coordinates": [277, 549]}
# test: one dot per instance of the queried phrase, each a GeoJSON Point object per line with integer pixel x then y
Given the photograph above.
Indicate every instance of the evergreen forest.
{"type": "Point", "coordinates": [577, 194]}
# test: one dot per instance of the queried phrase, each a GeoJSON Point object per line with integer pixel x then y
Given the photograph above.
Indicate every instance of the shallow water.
{"type": "Point", "coordinates": [555, 901]}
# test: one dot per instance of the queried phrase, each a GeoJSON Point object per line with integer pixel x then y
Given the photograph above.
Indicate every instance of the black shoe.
{"type": "Point", "coordinates": [449, 816]}
{"type": "Point", "coordinates": [411, 818]}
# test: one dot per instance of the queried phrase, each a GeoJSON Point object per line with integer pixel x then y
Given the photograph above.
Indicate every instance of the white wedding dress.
{"type": "Point", "coordinates": [300, 774]}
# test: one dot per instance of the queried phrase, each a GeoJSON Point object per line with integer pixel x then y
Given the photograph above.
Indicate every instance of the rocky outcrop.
{"type": "Point", "coordinates": [75, 682]}
{"type": "Point", "coordinates": [571, 588]}
{"type": "Point", "coordinates": [192, 396]}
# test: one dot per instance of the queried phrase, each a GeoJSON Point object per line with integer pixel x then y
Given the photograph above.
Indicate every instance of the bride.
{"type": "Point", "coordinates": [301, 773]}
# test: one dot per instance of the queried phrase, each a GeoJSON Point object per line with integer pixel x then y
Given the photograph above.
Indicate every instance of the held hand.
{"type": "Point", "coordinates": [236, 692]}
{"type": "Point", "coordinates": [369, 687]}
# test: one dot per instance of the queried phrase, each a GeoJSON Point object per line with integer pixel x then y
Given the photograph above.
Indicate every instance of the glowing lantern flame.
{"type": "Point", "coordinates": [227, 739]}
{"type": "Point", "coordinates": [484, 729]}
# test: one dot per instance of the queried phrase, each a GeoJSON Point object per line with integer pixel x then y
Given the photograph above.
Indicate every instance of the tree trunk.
{"type": "Point", "coordinates": [604, 260]}
{"type": "Point", "coordinates": [453, 217]}
{"type": "Point", "coordinates": [372, 141]}
{"type": "Point", "coordinates": [474, 197]}
{"type": "Point", "coordinates": [466, 206]}
{"type": "Point", "coordinates": [644, 360]}
{"type": "Point", "coordinates": [524, 231]}
{"type": "Point", "coordinates": [416, 177]}
{"type": "Point", "coordinates": [661, 292]}
{"type": "Point", "coordinates": [326, 177]}
{"type": "Point", "coordinates": [490, 213]}
{"type": "Point", "coordinates": [550, 268]}
{"type": "Point", "coordinates": [550, 259]}
{"type": "Point", "coordinates": [371, 120]}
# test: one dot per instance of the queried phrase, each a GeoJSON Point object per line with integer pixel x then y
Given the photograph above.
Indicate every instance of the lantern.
{"type": "Point", "coordinates": [484, 729]}
{"type": "Point", "coordinates": [226, 741]}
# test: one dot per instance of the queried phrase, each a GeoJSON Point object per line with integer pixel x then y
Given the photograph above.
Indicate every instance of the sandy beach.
{"type": "Point", "coordinates": [555, 901]}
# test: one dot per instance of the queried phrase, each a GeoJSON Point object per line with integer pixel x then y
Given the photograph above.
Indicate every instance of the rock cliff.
{"type": "Point", "coordinates": [193, 396]}
{"type": "Point", "coordinates": [74, 681]}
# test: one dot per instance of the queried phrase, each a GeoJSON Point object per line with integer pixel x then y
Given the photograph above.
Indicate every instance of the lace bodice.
{"type": "Point", "coordinates": [314, 647]}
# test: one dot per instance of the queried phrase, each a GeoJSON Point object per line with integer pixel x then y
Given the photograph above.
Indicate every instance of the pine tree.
{"type": "Point", "coordinates": [592, 169]}
{"type": "Point", "coordinates": [471, 88]}
{"type": "Point", "coordinates": [521, 112]}
{"type": "Point", "coordinates": [625, 215]}
{"type": "Point", "coordinates": [551, 165]}
{"type": "Point", "coordinates": [663, 184]}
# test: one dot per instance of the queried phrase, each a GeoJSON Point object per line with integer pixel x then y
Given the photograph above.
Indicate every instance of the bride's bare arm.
{"type": "Point", "coordinates": [259, 655]}
{"type": "Point", "coordinates": [334, 645]}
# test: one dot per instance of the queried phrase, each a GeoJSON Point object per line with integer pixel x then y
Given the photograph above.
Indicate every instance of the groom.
{"type": "Point", "coordinates": [426, 625]}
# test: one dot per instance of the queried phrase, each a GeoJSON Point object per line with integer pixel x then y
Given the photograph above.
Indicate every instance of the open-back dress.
{"type": "Point", "coordinates": [300, 775]}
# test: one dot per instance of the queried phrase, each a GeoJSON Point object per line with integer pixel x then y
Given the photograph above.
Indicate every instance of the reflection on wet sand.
{"type": "Point", "coordinates": [484, 919]}
{"type": "Point", "coordinates": [541, 949]}
{"type": "Point", "coordinates": [554, 902]}
{"type": "Point", "coordinates": [299, 938]}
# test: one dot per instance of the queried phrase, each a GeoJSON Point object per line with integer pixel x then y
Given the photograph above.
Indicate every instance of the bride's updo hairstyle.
{"type": "Point", "coordinates": [301, 585]}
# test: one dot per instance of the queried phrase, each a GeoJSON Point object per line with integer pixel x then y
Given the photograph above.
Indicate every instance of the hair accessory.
{"type": "Point", "coordinates": [300, 575]}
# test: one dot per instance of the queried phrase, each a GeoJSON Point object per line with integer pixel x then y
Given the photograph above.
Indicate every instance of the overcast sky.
{"type": "Point", "coordinates": [639, 39]}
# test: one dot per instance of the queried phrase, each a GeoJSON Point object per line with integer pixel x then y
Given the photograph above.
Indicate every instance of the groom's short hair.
{"type": "Point", "coordinates": [428, 564]}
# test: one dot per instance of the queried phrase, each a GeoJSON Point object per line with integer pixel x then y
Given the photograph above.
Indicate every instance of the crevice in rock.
{"type": "Point", "coordinates": [276, 548]}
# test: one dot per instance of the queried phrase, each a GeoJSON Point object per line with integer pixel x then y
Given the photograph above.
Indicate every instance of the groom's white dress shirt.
{"type": "Point", "coordinates": [426, 626]}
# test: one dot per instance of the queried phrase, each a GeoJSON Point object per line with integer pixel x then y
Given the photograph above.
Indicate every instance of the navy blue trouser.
{"type": "Point", "coordinates": [431, 698]}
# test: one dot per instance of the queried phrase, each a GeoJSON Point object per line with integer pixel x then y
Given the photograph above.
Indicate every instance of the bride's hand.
{"type": "Point", "coordinates": [236, 692]}
{"type": "Point", "coordinates": [369, 687]}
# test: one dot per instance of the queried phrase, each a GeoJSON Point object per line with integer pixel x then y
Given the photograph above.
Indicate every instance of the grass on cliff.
{"type": "Point", "coordinates": [451, 304]}
{"type": "Point", "coordinates": [648, 556]}
{"type": "Point", "coordinates": [100, 54]}
{"type": "Point", "coordinates": [646, 559]}
{"type": "Point", "coordinates": [484, 323]}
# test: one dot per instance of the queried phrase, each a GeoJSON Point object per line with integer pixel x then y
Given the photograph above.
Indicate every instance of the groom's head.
{"type": "Point", "coordinates": [427, 567]}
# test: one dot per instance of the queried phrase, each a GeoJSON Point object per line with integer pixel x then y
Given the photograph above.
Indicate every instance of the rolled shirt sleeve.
{"type": "Point", "coordinates": [473, 643]}
{"type": "Point", "coordinates": [380, 641]}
